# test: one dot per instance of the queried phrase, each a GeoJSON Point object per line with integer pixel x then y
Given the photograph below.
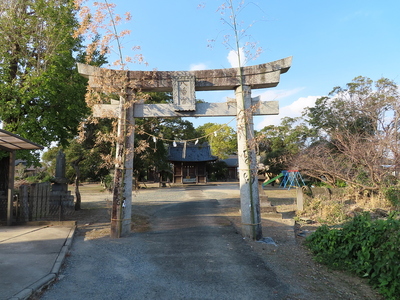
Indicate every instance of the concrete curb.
{"type": "Point", "coordinates": [52, 276]}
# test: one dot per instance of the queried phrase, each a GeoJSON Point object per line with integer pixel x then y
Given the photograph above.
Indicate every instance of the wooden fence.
{"type": "Point", "coordinates": [37, 202]}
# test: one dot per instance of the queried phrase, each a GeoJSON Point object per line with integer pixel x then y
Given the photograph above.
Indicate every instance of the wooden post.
{"type": "Point", "coordinates": [10, 188]}
{"type": "Point", "coordinates": [249, 198]}
{"type": "Point", "coordinates": [24, 202]}
{"type": "Point", "coordinates": [34, 199]}
{"type": "Point", "coordinates": [300, 198]}
{"type": "Point", "coordinates": [47, 197]}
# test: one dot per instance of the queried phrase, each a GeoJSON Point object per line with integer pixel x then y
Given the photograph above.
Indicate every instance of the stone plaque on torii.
{"type": "Point", "coordinates": [183, 85]}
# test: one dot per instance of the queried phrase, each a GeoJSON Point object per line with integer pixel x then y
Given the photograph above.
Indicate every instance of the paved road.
{"type": "Point", "coordinates": [190, 253]}
{"type": "Point", "coordinates": [30, 256]}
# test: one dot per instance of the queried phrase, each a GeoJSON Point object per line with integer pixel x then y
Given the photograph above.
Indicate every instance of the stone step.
{"type": "Point", "coordinates": [268, 209]}
{"type": "Point", "coordinates": [271, 215]}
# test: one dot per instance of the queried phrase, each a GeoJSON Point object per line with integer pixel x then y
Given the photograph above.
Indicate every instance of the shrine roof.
{"type": "Point", "coordinates": [231, 161]}
{"type": "Point", "coordinates": [10, 141]}
{"type": "Point", "coordinates": [194, 153]}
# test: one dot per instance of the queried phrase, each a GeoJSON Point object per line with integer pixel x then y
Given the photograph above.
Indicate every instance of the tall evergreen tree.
{"type": "Point", "coordinates": [41, 92]}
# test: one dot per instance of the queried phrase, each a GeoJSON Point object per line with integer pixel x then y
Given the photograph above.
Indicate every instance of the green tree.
{"type": "Point", "coordinates": [41, 93]}
{"type": "Point", "coordinates": [222, 139]}
{"type": "Point", "coordinates": [360, 107]}
{"type": "Point", "coordinates": [277, 144]}
{"type": "Point", "coordinates": [218, 170]}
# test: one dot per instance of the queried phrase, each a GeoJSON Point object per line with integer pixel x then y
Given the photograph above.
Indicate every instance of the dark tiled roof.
{"type": "Point", "coordinates": [194, 153]}
{"type": "Point", "coordinates": [231, 161]}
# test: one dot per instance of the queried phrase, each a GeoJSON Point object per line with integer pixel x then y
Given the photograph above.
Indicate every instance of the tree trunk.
{"type": "Point", "coordinates": [77, 194]}
{"type": "Point", "coordinates": [75, 165]}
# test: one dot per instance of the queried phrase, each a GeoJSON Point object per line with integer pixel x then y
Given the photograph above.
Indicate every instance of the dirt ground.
{"type": "Point", "coordinates": [290, 259]}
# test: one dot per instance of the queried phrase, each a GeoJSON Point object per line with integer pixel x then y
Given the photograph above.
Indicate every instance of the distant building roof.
{"type": "Point", "coordinates": [231, 161]}
{"type": "Point", "coordinates": [193, 153]}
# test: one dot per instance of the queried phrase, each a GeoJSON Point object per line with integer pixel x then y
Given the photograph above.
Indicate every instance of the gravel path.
{"type": "Point", "coordinates": [191, 251]}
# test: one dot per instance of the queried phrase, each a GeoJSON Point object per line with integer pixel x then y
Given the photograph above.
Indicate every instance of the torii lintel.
{"type": "Point", "coordinates": [258, 76]}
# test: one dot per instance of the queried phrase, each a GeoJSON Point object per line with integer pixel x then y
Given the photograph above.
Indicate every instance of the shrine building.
{"type": "Point", "coordinates": [189, 162]}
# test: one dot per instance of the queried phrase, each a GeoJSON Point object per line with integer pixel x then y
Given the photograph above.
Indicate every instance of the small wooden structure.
{"type": "Point", "coordinates": [189, 161]}
{"type": "Point", "coordinates": [232, 163]}
{"type": "Point", "coordinates": [11, 142]}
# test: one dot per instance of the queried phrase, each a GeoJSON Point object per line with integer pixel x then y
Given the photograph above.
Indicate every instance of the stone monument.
{"type": "Point", "coordinates": [59, 189]}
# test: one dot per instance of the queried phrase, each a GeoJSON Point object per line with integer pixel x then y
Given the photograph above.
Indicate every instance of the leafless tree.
{"type": "Point", "coordinates": [360, 142]}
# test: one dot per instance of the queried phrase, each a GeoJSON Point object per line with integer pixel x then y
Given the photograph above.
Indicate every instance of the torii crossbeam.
{"type": "Point", "coordinates": [184, 84]}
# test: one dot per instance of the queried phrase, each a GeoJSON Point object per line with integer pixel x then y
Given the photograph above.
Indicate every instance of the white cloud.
{"type": "Point", "coordinates": [199, 66]}
{"type": "Point", "coordinates": [292, 110]}
{"type": "Point", "coordinates": [234, 59]}
{"type": "Point", "coordinates": [362, 14]}
{"type": "Point", "coordinates": [275, 94]}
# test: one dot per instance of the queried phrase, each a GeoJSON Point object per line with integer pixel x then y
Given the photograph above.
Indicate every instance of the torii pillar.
{"type": "Point", "coordinates": [183, 84]}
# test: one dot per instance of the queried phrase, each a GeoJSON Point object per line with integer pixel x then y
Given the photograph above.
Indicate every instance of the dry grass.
{"type": "Point", "coordinates": [89, 188]}
{"type": "Point", "coordinates": [339, 209]}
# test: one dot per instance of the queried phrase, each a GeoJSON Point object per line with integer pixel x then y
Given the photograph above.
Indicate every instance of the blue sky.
{"type": "Point", "coordinates": [331, 43]}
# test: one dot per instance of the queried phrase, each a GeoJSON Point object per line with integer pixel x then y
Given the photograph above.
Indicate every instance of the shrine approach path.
{"type": "Point", "coordinates": [189, 250]}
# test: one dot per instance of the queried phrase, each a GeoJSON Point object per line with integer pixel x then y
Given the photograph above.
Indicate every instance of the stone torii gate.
{"type": "Point", "coordinates": [183, 84]}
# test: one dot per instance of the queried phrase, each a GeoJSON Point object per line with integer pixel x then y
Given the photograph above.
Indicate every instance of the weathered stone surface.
{"type": "Point", "coordinates": [322, 192]}
{"type": "Point", "coordinates": [258, 76]}
{"type": "Point", "coordinates": [271, 215]}
{"type": "Point", "coordinates": [184, 95]}
{"type": "Point", "coordinates": [61, 182]}
{"type": "Point", "coordinates": [169, 110]}
{"type": "Point", "coordinates": [268, 209]}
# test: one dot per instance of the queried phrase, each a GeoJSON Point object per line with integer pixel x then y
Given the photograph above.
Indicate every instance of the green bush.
{"type": "Point", "coordinates": [393, 195]}
{"type": "Point", "coordinates": [108, 182]}
{"type": "Point", "coordinates": [368, 247]}
{"type": "Point", "coordinates": [41, 177]}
